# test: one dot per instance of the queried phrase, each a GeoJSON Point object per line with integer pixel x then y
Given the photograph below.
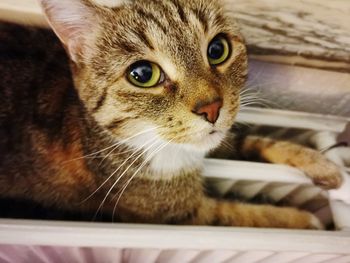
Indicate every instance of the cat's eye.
{"type": "Point", "coordinates": [218, 50]}
{"type": "Point", "coordinates": [145, 74]}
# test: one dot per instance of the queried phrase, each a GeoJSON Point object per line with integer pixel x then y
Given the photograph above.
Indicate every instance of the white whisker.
{"type": "Point", "coordinates": [120, 176]}
{"type": "Point", "coordinates": [115, 171]}
{"type": "Point", "coordinates": [158, 149]}
{"type": "Point", "coordinates": [112, 146]}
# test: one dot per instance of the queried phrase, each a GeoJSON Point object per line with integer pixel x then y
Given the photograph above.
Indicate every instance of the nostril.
{"type": "Point", "coordinates": [210, 111]}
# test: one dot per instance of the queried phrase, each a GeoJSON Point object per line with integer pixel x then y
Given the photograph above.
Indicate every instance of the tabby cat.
{"type": "Point", "coordinates": [156, 87]}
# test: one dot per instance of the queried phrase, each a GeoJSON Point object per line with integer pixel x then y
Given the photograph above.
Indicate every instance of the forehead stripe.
{"type": "Point", "coordinates": [180, 10]}
{"type": "Point", "coordinates": [151, 17]}
{"type": "Point", "coordinates": [202, 18]}
{"type": "Point", "coordinates": [143, 37]}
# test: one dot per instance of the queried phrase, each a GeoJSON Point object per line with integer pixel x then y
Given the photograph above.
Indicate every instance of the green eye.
{"type": "Point", "coordinates": [144, 74]}
{"type": "Point", "coordinates": [218, 50]}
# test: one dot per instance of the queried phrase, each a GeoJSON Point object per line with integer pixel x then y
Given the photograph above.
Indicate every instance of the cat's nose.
{"type": "Point", "coordinates": [210, 111]}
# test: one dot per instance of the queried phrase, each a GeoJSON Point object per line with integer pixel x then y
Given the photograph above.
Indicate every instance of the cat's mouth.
{"type": "Point", "coordinates": [208, 140]}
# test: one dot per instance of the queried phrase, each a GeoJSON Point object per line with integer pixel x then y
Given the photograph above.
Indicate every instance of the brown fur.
{"type": "Point", "coordinates": [323, 172]}
{"type": "Point", "coordinates": [49, 127]}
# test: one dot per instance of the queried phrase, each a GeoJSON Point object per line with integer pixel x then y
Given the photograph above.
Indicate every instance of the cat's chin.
{"type": "Point", "coordinates": [175, 160]}
{"type": "Point", "coordinates": [209, 141]}
{"type": "Point", "coordinates": [167, 159]}
{"type": "Point", "coordinates": [178, 159]}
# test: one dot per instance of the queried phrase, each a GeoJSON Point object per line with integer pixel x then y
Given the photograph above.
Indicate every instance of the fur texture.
{"type": "Point", "coordinates": [102, 144]}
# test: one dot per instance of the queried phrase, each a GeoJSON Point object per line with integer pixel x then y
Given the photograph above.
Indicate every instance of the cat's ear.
{"type": "Point", "coordinates": [74, 21]}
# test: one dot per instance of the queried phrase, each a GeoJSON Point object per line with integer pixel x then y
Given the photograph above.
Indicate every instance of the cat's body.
{"type": "Point", "coordinates": [133, 153]}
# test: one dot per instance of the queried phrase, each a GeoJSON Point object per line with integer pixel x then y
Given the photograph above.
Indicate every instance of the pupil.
{"type": "Point", "coordinates": [142, 72]}
{"type": "Point", "coordinates": [216, 49]}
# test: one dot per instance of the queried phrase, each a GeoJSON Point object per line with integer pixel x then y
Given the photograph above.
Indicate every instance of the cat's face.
{"type": "Point", "coordinates": [173, 68]}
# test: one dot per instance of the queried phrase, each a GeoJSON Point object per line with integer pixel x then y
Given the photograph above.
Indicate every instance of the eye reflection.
{"type": "Point", "coordinates": [144, 74]}
{"type": "Point", "coordinates": [218, 50]}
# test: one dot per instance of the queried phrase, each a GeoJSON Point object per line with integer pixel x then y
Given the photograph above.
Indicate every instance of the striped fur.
{"type": "Point", "coordinates": [93, 142]}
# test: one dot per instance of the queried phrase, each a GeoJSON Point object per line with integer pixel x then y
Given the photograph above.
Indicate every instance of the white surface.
{"type": "Point", "coordinates": [170, 237]}
{"type": "Point", "coordinates": [22, 11]}
{"type": "Point", "coordinates": [276, 181]}
{"type": "Point", "coordinates": [291, 119]}
{"type": "Point", "coordinates": [25, 254]}
{"type": "Point", "coordinates": [240, 170]}
{"type": "Point", "coordinates": [250, 245]}
{"type": "Point", "coordinates": [273, 182]}
{"type": "Point", "coordinates": [298, 88]}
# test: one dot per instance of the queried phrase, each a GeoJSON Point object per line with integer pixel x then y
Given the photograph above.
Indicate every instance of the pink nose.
{"type": "Point", "coordinates": [210, 111]}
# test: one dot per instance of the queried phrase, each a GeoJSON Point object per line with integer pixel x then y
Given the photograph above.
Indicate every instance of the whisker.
{"type": "Point", "coordinates": [255, 98]}
{"type": "Point", "coordinates": [227, 146]}
{"type": "Point", "coordinates": [161, 147]}
{"type": "Point", "coordinates": [260, 84]}
{"type": "Point", "coordinates": [155, 151]}
{"type": "Point", "coordinates": [114, 150]}
{"type": "Point", "coordinates": [245, 91]}
{"type": "Point", "coordinates": [240, 124]}
{"type": "Point", "coordinates": [107, 155]}
{"type": "Point", "coordinates": [252, 104]}
{"type": "Point", "coordinates": [120, 176]}
{"type": "Point", "coordinates": [115, 171]}
{"type": "Point", "coordinates": [113, 145]}
{"type": "Point", "coordinates": [113, 154]}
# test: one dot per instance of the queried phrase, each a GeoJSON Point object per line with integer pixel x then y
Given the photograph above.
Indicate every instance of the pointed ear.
{"type": "Point", "coordinates": [73, 22]}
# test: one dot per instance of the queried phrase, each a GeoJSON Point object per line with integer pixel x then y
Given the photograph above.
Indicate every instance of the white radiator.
{"type": "Point", "coordinates": [23, 241]}
{"type": "Point", "coordinates": [44, 241]}
{"type": "Point", "coordinates": [105, 255]}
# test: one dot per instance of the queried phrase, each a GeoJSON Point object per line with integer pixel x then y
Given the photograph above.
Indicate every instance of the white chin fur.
{"type": "Point", "coordinates": [175, 159]}
{"type": "Point", "coordinates": [172, 159]}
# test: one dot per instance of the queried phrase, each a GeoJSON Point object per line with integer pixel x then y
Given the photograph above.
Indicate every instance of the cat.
{"type": "Point", "coordinates": [153, 86]}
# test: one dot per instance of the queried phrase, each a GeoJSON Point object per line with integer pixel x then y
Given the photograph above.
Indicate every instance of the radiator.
{"type": "Point", "coordinates": [23, 241]}
{"type": "Point", "coordinates": [47, 241]}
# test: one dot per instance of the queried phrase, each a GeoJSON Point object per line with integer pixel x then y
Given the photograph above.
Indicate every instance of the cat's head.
{"type": "Point", "coordinates": [173, 68]}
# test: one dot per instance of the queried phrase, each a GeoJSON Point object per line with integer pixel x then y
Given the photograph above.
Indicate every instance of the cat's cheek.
{"type": "Point", "coordinates": [226, 119]}
{"type": "Point", "coordinates": [215, 140]}
{"type": "Point", "coordinates": [209, 142]}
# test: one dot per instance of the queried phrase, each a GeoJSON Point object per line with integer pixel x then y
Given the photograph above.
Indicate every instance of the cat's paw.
{"type": "Point", "coordinates": [315, 223]}
{"type": "Point", "coordinates": [323, 173]}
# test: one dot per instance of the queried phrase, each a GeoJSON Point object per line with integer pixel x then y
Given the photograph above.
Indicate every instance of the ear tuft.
{"type": "Point", "coordinates": [73, 22]}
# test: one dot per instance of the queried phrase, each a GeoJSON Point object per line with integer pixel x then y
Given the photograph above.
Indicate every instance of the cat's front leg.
{"type": "Point", "coordinates": [322, 171]}
{"type": "Point", "coordinates": [224, 213]}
